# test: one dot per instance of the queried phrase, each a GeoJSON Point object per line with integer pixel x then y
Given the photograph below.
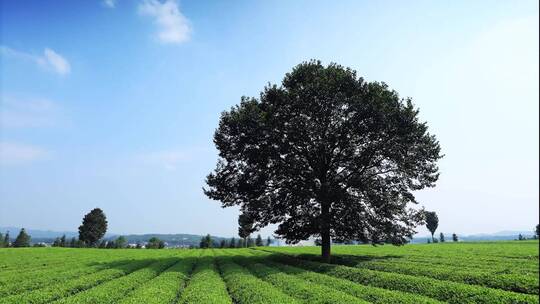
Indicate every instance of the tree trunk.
{"type": "Point", "coordinates": [325, 233]}
{"type": "Point", "coordinates": [432, 237]}
{"type": "Point", "coordinates": [325, 246]}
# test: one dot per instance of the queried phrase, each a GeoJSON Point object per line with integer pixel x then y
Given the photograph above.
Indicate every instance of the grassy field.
{"type": "Point", "coordinates": [498, 272]}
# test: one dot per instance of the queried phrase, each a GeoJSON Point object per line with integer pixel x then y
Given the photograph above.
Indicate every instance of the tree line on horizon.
{"type": "Point", "coordinates": [208, 242]}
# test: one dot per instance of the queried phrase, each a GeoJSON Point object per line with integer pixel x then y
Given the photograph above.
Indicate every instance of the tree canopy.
{"type": "Point", "coordinates": [325, 154]}
{"type": "Point", "coordinates": [155, 243]}
{"type": "Point", "coordinates": [93, 228]}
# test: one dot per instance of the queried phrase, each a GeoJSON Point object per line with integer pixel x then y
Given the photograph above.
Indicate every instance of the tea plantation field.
{"type": "Point", "coordinates": [497, 272]}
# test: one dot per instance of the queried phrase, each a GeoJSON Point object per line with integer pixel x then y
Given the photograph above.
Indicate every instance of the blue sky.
{"type": "Point", "coordinates": [113, 104]}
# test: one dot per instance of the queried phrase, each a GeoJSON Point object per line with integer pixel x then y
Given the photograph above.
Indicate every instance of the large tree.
{"type": "Point", "coordinates": [325, 154]}
{"type": "Point", "coordinates": [93, 228]}
{"type": "Point", "coordinates": [432, 222]}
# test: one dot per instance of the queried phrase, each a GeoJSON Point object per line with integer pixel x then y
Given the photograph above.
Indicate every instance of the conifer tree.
{"type": "Point", "coordinates": [432, 222]}
{"type": "Point", "coordinates": [93, 227]}
{"type": "Point", "coordinates": [258, 241]}
{"type": "Point", "coordinates": [22, 240]}
{"type": "Point", "coordinates": [6, 239]}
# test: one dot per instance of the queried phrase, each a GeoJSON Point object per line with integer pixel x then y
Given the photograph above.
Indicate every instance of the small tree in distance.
{"type": "Point", "coordinates": [259, 241]}
{"type": "Point", "coordinates": [537, 231]}
{"type": "Point", "coordinates": [22, 240]}
{"type": "Point", "coordinates": [432, 222]}
{"type": "Point", "coordinates": [441, 237]}
{"type": "Point", "coordinates": [93, 227]}
{"type": "Point", "coordinates": [6, 239]}
{"type": "Point", "coordinates": [245, 227]}
{"type": "Point", "coordinates": [155, 243]}
{"type": "Point", "coordinates": [455, 237]}
{"type": "Point", "coordinates": [232, 243]}
{"type": "Point", "coordinates": [268, 241]}
{"type": "Point", "coordinates": [121, 242]}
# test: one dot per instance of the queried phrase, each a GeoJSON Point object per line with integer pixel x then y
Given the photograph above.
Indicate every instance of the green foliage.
{"type": "Point", "coordinates": [441, 237]}
{"type": "Point", "coordinates": [268, 241]}
{"type": "Point", "coordinates": [245, 288]}
{"type": "Point", "coordinates": [6, 241]}
{"type": "Point", "coordinates": [206, 242]}
{"type": "Point", "coordinates": [155, 243]}
{"type": "Point", "coordinates": [259, 241]}
{"type": "Point", "coordinates": [432, 222]}
{"type": "Point", "coordinates": [73, 242]}
{"type": "Point", "coordinates": [298, 288]}
{"type": "Point", "coordinates": [165, 287]}
{"type": "Point", "coordinates": [22, 240]}
{"type": "Point", "coordinates": [496, 272]}
{"type": "Point", "coordinates": [455, 237]}
{"type": "Point", "coordinates": [245, 225]}
{"type": "Point", "coordinates": [93, 228]}
{"type": "Point", "coordinates": [120, 242]}
{"type": "Point", "coordinates": [206, 285]}
{"type": "Point", "coordinates": [314, 146]}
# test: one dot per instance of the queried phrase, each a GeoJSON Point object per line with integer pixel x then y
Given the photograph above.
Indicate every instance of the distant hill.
{"type": "Point", "coordinates": [497, 236]}
{"type": "Point", "coordinates": [182, 239]}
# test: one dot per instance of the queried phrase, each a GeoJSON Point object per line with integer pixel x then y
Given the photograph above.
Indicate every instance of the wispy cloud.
{"type": "Point", "coordinates": [173, 26]}
{"type": "Point", "coordinates": [172, 159]}
{"type": "Point", "coordinates": [50, 59]}
{"type": "Point", "coordinates": [20, 154]}
{"type": "Point", "coordinates": [18, 112]}
{"type": "Point", "coordinates": [109, 3]}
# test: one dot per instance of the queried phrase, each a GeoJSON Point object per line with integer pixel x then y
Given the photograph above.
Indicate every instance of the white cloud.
{"type": "Point", "coordinates": [57, 62]}
{"type": "Point", "coordinates": [109, 3]}
{"type": "Point", "coordinates": [174, 27]}
{"type": "Point", "coordinates": [20, 154]}
{"type": "Point", "coordinates": [50, 59]}
{"type": "Point", "coordinates": [27, 112]}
